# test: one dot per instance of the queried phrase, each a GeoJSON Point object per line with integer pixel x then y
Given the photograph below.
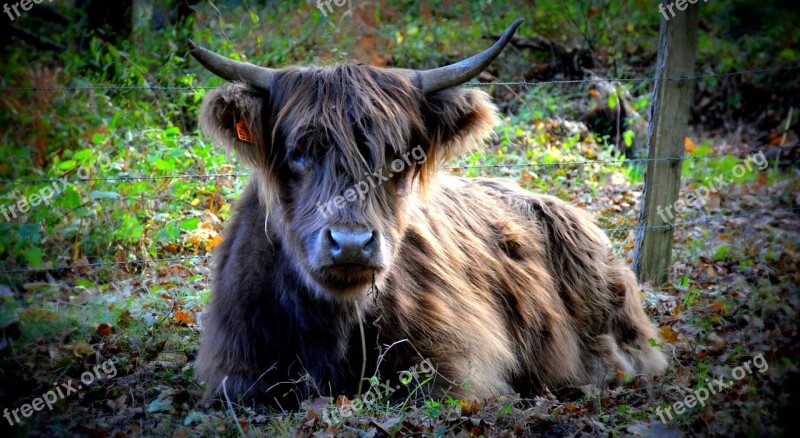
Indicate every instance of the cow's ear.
{"type": "Point", "coordinates": [236, 116]}
{"type": "Point", "coordinates": [457, 120]}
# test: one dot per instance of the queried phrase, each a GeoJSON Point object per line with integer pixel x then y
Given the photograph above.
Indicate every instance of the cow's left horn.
{"type": "Point", "coordinates": [230, 70]}
{"type": "Point", "coordinates": [456, 74]}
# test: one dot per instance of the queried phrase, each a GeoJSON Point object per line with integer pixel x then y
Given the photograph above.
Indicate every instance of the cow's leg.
{"type": "Point", "coordinates": [624, 348]}
{"type": "Point", "coordinates": [628, 345]}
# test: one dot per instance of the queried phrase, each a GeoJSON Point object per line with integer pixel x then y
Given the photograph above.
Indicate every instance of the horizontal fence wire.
{"type": "Point", "coordinates": [103, 264]}
{"type": "Point", "coordinates": [628, 160]}
{"type": "Point", "coordinates": [197, 258]}
{"type": "Point", "coordinates": [468, 84]}
{"type": "Point", "coordinates": [126, 178]}
{"type": "Point", "coordinates": [702, 220]}
{"type": "Point", "coordinates": [634, 80]}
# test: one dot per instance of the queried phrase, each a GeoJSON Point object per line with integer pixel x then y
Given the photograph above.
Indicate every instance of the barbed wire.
{"type": "Point", "coordinates": [127, 178]}
{"type": "Point", "coordinates": [626, 160]}
{"type": "Point", "coordinates": [197, 258]}
{"type": "Point", "coordinates": [468, 84]}
{"type": "Point", "coordinates": [645, 79]}
{"type": "Point", "coordinates": [701, 221]}
{"type": "Point", "coordinates": [124, 178]}
{"type": "Point", "coordinates": [110, 88]}
{"type": "Point", "coordinates": [102, 264]}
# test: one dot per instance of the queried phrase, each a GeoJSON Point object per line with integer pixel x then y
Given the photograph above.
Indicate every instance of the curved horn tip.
{"type": "Point", "coordinates": [191, 44]}
{"type": "Point", "coordinates": [456, 74]}
{"type": "Point", "coordinates": [512, 29]}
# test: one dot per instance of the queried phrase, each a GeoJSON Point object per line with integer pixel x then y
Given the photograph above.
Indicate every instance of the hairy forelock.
{"type": "Point", "coordinates": [359, 112]}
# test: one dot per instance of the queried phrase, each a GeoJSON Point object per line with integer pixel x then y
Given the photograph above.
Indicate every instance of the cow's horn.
{"type": "Point", "coordinates": [456, 74]}
{"type": "Point", "coordinates": [230, 70]}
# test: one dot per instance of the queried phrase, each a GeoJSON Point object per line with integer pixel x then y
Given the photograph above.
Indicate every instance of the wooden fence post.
{"type": "Point", "coordinates": [665, 138]}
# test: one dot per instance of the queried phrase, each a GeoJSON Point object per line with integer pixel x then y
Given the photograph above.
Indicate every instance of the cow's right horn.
{"type": "Point", "coordinates": [230, 70]}
{"type": "Point", "coordinates": [456, 74]}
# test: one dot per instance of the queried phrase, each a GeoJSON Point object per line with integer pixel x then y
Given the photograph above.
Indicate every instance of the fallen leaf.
{"type": "Point", "coordinates": [160, 405]}
{"type": "Point", "coordinates": [183, 318]}
{"type": "Point", "coordinates": [104, 330]}
{"type": "Point", "coordinates": [667, 334]}
{"type": "Point", "coordinates": [716, 343]}
{"type": "Point", "coordinates": [687, 142]}
{"type": "Point", "coordinates": [468, 408]}
{"type": "Point", "coordinates": [216, 240]}
{"type": "Point", "coordinates": [310, 419]}
{"type": "Point", "coordinates": [80, 348]}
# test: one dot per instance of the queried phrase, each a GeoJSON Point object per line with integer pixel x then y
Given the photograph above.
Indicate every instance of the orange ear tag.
{"type": "Point", "coordinates": [243, 133]}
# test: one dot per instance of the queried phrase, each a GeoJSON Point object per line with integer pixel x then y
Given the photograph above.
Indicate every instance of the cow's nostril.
{"type": "Point", "coordinates": [334, 245]}
{"type": "Point", "coordinates": [351, 246]}
{"type": "Point", "coordinates": [370, 245]}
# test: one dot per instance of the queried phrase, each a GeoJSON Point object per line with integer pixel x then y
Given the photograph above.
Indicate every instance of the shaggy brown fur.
{"type": "Point", "coordinates": [509, 290]}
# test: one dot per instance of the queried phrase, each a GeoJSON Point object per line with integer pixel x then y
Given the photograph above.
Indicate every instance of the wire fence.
{"type": "Point", "coordinates": [622, 161]}
{"type": "Point", "coordinates": [197, 258]}
{"type": "Point", "coordinates": [127, 178]}
{"type": "Point", "coordinates": [468, 84]}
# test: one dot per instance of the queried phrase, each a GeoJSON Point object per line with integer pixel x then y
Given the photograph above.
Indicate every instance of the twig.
{"type": "Point", "coordinates": [259, 378]}
{"type": "Point", "coordinates": [383, 353]}
{"type": "Point", "coordinates": [34, 40]}
{"type": "Point", "coordinates": [788, 124]}
{"type": "Point", "coordinates": [363, 347]}
{"type": "Point", "coordinates": [619, 116]}
{"type": "Point", "coordinates": [230, 406]}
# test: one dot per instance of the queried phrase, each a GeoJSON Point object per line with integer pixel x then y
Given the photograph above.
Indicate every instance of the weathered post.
{"type": "Point", "coordinates": [665, 139]}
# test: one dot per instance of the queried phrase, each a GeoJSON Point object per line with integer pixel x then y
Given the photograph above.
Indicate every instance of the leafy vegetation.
{"type": "Point", "coordinates": [117, 119]}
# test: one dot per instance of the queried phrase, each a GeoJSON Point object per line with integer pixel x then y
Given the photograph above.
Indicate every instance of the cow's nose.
{"type": "Point", "coordinates": [351, 246]}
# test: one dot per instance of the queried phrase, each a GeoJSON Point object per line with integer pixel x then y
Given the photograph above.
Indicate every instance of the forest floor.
{"type": "Point", "coordinates": [729, 313]}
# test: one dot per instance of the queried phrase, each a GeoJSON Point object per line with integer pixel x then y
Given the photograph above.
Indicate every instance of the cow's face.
{"type": "Point", "coordinates": [341, 204]}
{"type": "Point", "coordinates": [339, 153]}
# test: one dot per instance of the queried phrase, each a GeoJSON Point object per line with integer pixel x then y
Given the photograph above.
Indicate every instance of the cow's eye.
{"type": "Point", "coordinates": [297, 161]}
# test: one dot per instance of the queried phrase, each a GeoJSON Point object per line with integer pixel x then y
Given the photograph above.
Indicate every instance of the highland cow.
{"type": "Point", "coordinates": [506, 290]}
